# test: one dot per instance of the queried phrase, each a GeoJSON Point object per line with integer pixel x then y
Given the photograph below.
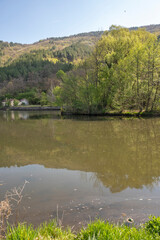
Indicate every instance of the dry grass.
{"type": "Point", "coordinates": [11, 200]}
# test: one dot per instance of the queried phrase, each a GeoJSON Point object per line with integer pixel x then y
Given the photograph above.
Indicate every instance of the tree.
{"type": "Point", "coordinates": [122, 73]}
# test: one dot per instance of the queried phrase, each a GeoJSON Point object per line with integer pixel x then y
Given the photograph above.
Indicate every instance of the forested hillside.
{"type": "Point", "coordinates": [30, 70]}
{"type": "Point", "coordinates": [153, 28]}
{"type": "Point", "coordinates": [33, 67]}
{"type": "Point", "coordinates": [12, 51]}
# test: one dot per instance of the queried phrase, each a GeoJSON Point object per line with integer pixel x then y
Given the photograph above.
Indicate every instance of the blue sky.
{"type": "Point", "coordinates": [27, 21]}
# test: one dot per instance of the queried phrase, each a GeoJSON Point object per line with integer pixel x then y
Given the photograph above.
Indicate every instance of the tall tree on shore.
{"type": "Point", "coordinates": [122, 73]}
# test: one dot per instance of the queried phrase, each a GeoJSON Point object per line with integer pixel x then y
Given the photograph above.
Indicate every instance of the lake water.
{"type": "Point", "coordinates": [79, 169]}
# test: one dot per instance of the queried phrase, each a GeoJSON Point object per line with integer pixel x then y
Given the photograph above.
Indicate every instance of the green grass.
{"type": "Point", "coordinates": [103, 231]}
{"type": "Point", "coordinates": [45, 231]}
{"type": "Point", "coordinates": [98, 230]}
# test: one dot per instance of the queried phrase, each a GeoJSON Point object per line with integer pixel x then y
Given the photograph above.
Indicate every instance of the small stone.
{"type": "Point", "coordinates": [124, 214]}
{"type": "Point", "coordinates": [129, 222]}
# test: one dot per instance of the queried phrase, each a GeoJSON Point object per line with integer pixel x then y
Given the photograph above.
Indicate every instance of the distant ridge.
{"type": "Point", "coordinates": [150, 28]}
{"type": "Point", "coordinates": [153, 28]}
{"type": "Point", "coordinates": [10, 52]}
{"type": "Point", "coordinates": [85, 34]}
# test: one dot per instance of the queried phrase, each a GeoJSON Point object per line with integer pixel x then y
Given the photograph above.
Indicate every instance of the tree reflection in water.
{"type": "Point", "coordinates": [123, 153]}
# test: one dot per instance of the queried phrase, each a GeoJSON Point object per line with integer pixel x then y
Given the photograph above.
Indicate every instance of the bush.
{"type": "Point", "coordinates": [153, 225]}
{"type": "Point", "coordinates": [101, 230]}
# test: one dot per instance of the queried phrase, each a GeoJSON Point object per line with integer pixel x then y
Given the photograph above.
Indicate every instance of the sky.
{"type": "Point", "coordinates": [28, 21]}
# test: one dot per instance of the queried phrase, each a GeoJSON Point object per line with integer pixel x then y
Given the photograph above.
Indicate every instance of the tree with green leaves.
{"type": "Point", "coordinates": [122, 73]}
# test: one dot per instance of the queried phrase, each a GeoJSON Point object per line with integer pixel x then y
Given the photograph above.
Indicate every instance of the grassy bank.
{"type": "Point", "coordinates": [114, 114]}
{"type": "Point", "coordinates": [98, 230]}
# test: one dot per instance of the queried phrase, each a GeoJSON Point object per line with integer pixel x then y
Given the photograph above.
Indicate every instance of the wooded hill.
{"type": "Point", "coordinates": [12, 51]}
{"type": "Point", "coordinates": [27, 66]}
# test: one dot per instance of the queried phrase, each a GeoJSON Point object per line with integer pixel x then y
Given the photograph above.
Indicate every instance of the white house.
{"type": "Point", "coordinates": [12, 102]}
{"type": "Point", "coordinates": [23, 101]}
{"type": "Point", "coordinates": [4, 103]}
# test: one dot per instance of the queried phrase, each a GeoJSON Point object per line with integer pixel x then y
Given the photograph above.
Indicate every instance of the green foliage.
{"type": "Point", "coordinates": [121, 73]}
{"type": "Point", "coordinates": [31, 95]}
{"type": "Point", "coordinates": [98, 230]}
{"type": "Point", "coordinates": [30, 70]}
{"type": "Point", "coordinates": [57, 93]}
{"type": "Point", "coordinates": [27, 94]}
{"type": "Point", "coordinates": [43, 99]}
{"type": "Point", "coordinates": [102, 231]}
{"type": "Point", "coordinates": [15, 103]}
{"type": "Point", "coordinates": [22, 232]}
{"type": "Point", "coordinates": [60, 75]}
{"type": "Point", "coordinates": [73, 52]}
{"type": "Point", "coordinates": [153, 225]}
{"type": "Point", "coordinates": [54, 232]}
{"type": "Point", "coordinates": [35, 62]}
{"type": "Point", "coordinates": [45, 231]}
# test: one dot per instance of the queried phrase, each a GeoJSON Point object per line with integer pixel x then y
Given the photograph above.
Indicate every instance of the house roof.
{"type": "Point", "coordinates": [24, 99]}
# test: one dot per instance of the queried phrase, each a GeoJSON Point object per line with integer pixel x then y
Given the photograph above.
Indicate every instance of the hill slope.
{"type": "Point", "coordinates": [153, 28]}
{"type": "Point", "coordinates": [28, 66]}
{"type": "Point", "coordinates": [12, 51]}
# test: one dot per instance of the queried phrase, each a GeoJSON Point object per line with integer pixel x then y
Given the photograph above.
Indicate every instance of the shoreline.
{"type": "Point", "coordinates": [32, 108]}
{"type": "Point", "coordinates": [78, 114]}
{"type": "Point", "coordinates": [114, 114]}
{"type": "Point", "coordinates": [97, 230]}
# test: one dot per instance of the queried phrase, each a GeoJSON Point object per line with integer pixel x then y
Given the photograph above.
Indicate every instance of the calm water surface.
{"type": "Point", "coordinates": [80, 169]}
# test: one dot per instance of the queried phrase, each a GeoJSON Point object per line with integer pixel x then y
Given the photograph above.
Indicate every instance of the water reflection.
{"type": "Point", "coordinates": [15, 115]}
{"type": "Point", "coordinates": [121, 153]}
{"type": "Point", "coordinates": [24, 115]}
{"type": "Point", "coordinates": [81, 165]}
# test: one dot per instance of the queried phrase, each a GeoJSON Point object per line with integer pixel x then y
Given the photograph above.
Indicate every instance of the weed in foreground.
{"type": "Point", "coordinates": [45, 232]}
{"type": "Point", "coordinates": [12, 199]}
{"type": "Point", "coordinates": [100, 230]}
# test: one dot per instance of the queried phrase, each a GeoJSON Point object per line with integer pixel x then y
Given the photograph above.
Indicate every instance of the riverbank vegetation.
{"type": "Point", "coordinates": [98, 230]}
{"type": "Point", "coordinates": [24, 67]}
{"type": "Point", "coordinates": [122, 73]}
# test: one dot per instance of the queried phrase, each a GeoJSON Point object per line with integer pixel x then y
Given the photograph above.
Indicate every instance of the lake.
{"type": "Point", "coordinates": [80, 169]}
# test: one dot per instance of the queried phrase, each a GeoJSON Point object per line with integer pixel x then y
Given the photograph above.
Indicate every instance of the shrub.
{"type": "Point", "coordinates": [153, 225]}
